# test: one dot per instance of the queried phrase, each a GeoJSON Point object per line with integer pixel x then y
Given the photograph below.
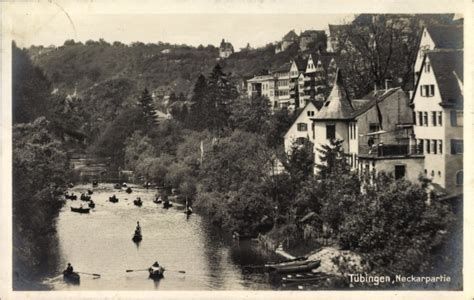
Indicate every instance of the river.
{"type": "Point", "coordinates": [100, 242]}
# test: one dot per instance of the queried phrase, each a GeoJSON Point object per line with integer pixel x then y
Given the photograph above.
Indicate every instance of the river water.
{"type": "Point", "coordinates": [100, 242]}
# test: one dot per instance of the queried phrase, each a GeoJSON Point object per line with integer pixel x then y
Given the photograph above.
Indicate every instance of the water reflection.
{"type": "Point", "coordinates": [100, 242]}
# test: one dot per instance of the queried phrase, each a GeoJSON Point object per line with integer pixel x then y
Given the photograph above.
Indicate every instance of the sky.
{"type": "Point", "coordinates": [56, 26]}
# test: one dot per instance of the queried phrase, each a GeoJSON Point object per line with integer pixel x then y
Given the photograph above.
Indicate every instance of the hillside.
{"type": "Point", "coordinates": [161, 66]}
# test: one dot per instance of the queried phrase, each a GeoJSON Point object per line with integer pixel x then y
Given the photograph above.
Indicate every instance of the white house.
{"type": "Point", "coordinates": [438, 113]}
{"type": "Point", "coordinates": [438, 37]}
{"type": "Point", "coordinates": [301, 130]}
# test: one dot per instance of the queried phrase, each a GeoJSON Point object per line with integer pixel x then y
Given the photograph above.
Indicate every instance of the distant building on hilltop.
{"type": "Point", "coordinates": [313, 39]}
{"type": "Point", "coordinates": [289, 39]}
{"type": "Point", "coordinates": [225, 49]}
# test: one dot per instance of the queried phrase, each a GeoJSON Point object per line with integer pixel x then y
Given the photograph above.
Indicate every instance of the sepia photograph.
{"type": "Point", "coordinates": [263, 151]}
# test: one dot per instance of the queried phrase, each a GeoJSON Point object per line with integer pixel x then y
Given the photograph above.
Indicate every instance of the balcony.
{"type": "Point", "coordinates": [389, 150]}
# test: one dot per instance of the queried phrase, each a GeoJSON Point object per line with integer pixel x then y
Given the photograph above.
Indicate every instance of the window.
{"type": "Point", "coordinates": [427, 144]}
{"type": "Point", "coordinates": [427, 90]}
{"type": "Point", "coordinates": [420, 118]}
{"type": "Point", "coordinates": [399, 171]}
{"type": "Point", "coordinates": [459, 177]}
{"type": "Point", "coordinates": [301, 141]}
{"type": "Point", "coordinates": [440, 118]}
{"type": "Point", "coordinates": [302, 126]}
{"type": "Point", "coordinates": [427, 67]}
{"type": "Point", "coordinates": [457, 147]}
{"type": "Point", "coordinates": [310, 113]}
{"type": "Point", "coordinates": [414, 118]}
{"type": "Point", "coordinates": [434, 118]}
{"type": "Point", "coordinates": [330, 131]}
{"type": "Point", "coordinates": [434, 146]}
{"type": "Point", "coordinates": [457, 118]}
{"type": "Point", "coordinates": [432, 173]}
{"type": "Point", "coordinates": [374, 127]}
{"type": "Point", "coordinates": [440, 146]}
{"type": "Point", "coordinates": [425, 118]}
{"type": "Point", "coordinates": [420, 146]}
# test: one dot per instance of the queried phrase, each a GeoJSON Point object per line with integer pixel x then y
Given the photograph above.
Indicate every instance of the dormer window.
{"type": "Point", "coordinates": [427, 67]}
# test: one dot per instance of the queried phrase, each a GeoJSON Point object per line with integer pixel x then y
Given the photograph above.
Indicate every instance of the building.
{"type": "Point", "coordinates": [302, 130]}
{"type": "Point", "coordinates": [288, 39]}
{"type": "Point", "coordinates": [313, 39]}
{"type": "Point", "coordinates": [438, 112]}
{"type": "Point", "coordinates": [377, 131]}
{"type": "Point", "coordinates": [225, 49]}
{"type": "Point", "coordinates": [264, 85]}
{"type": "Point", "coordinates": [438, 37]}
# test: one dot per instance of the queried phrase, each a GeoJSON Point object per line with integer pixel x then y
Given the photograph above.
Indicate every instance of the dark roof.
{"type": "Point", "coordinates": [337, 105]}
{"type": "Point", "coordinates": [290, 36]}
{"type": "Point", "coordinates": [448, 69]}
{"type": "Point", "coordinates": [359, 103]}
{"type": "Point", "coordinates": [312, 33]}
{"type": "Point", "coordinates": [447, 36]}
{"type": "Point", "coordinates": [300, 63]}
{"type": "Point", "coordinates": [283, 68]}
{"type": "Point", "coordinates": [374, 97]}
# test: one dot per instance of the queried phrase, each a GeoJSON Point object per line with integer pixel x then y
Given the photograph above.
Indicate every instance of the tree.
{"type": "Point", "coordinates": [280, 122]}
{"type": "Point", "coordinates": [30, 88]}
{"type": "Point", "coordinates": [197, 112]}
{"type": "Point", "coordinates": [137, 148]}
{"type": "Point", "coordinates": [220, 96]}
{"type": "Point", "coordinates": [251, 114]}
{"type": "Point", "coordinates": [148, 110]}
{"type": "Point", "coordinates": [333, 159]}
{"type": "Point", "coordinates": [40, 174]}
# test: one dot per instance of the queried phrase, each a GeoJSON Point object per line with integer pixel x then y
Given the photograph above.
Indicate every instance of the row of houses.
{"type": "Point", "coordinates": [407, 135]}
{"type": "Point", "coordinates": [308, 39]}
{"type": "Point", "coordinates": [304, 79]}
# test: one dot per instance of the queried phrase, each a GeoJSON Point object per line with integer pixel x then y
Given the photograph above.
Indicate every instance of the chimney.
{"type": "Point", "coordinates": [388, 84]}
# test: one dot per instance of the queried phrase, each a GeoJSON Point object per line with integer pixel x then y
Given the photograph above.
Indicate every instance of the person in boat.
{"type": "Point", "coordinates": [69, 269]}
{"type": "Point", "coordinates": [138, 229]}
{"type": "Point", "coordinates": [155, 267]}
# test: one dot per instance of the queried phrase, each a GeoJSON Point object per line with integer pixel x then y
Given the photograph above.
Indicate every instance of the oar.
{"type": "Point", "coordinates": [128, 271]}
{"type": "Point", "coordinates": [179, 271]}
{"type": "Point", "coordinates": [85, 273]}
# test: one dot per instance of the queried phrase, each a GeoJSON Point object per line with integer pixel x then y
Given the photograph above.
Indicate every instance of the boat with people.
{"type": "Point", "coordinates": [167, 204]}
{"type": "Point", "coordinates": [117, 186]}
{"type": "Point", "coordinates": [70, 276]}
{"type": "Point", "coordinates": [129, 190]}
{"type": "Point", "coordinates": [113, 199]}
{"type": "Point", "coordinates": [91, 204]}
{"type": "Point", "coordinates": [157, 200]}
{"type": "Point", "coordinates": [70, 196]}
{"type": "Point", "coordinates": [81, 210]}
{"type": "Point", "coordinates": [137, 237]}
{"type": "Point", "coordinates": [138, 202]}
{"type": "Point", "coordinates": [156, 272]}
{"type": "Point", "coordinates": [90, 192]}
{"type": "Point", "coordinates": [85, 197]}
{"type": "Point", "coordinates": [95, 183]}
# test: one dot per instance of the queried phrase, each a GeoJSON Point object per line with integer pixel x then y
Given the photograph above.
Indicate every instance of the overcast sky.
{"type": "Point", "coordinates": [192, 29]}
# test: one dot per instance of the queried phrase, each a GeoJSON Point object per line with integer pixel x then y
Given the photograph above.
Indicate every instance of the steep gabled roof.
{"type": "Point", "coordinates": [290, 36]}
{"type": "Point", "coordinates": [283, 68]}
{"type": "Point", "coordinates": [374, 97]}
{"type": "Point", "coordinates": [337, 106]}
{"type": "Point", "coordinates": [448, 70]}
{"type": "Point", "coordinates": [447, 36]}
{"type": "Point", "coordinates": [300, 63]}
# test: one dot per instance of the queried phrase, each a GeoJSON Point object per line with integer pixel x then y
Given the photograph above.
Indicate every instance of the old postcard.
{"type": "Point", "coordinates": [236, 149]}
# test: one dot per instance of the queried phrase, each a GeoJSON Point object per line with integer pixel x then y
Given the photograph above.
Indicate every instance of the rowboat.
{"type": "Point", "coordinates": [167, 204]}
{"type": "Point", "coordinates": [117, 186]}
{"type": "Point", "coordinates": [157, 200]}
{"type": "Point", "coordinates": [129, 190]}
{"type": "Point", "coordinates": [91, 204]}
{"type": "Point", "coordinates": [138, 202]}
{"type": "Point", "coordinates": [297, 267]}
{"type": "Point", "coordinates": [73, 277]}
{"type": "Point", "coordinates": [156, 273]}
{"type": "Point", "coordinates": [137, 237]}
{"type": "Point", "coordinates": [113, 199]}
{"type": "Point", "coordinates": [81, 210]}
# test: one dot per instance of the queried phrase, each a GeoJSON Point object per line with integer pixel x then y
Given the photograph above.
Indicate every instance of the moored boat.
{"type": "Point", "coordinates": [307, 266]}
{"type": "Point", "coordinates": [81, 210]}
{"type": "Point", "coordinates": [73, 277]}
